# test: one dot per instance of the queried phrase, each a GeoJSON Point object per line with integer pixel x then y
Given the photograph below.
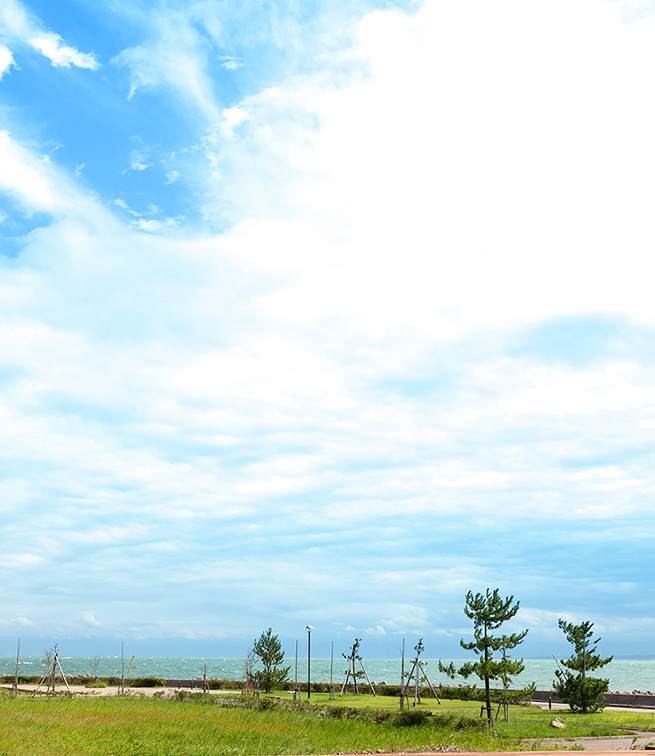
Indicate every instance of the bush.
{"type": "Point", "coordinates": [266, 703]}
{"type": "Point", "coordinates": [411, 717]}
{"type": "Point", "coordinates": [217, 684]}
{"type": "Point", "coordinates": [457, 722]}
{"type": "Point", "coordinates": [343, 712]}
{"type": "Point", "coordinates": [146, 682]}
{"type": "Point", "coordinates": [463, 692]}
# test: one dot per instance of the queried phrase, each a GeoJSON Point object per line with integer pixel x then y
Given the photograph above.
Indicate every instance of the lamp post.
{"type": "Point", "coordinates": [309, 629]}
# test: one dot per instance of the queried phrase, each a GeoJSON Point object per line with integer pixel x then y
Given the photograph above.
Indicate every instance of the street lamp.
{"type": "Point", "coordinates": [309, 629]}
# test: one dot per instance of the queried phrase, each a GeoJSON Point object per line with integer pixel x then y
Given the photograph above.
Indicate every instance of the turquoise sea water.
{"type": "Point", "coordinates": [625, 675]}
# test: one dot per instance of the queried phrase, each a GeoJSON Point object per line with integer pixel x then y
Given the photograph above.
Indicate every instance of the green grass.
{"type": "Point", "coordinates": [153, 727]}
{"type": "Point", "coordinates": [368, 700]}
{"type": "Point", "coordinates": [135, 725]}
{"type": "Point", "coordinates": [535, 723]}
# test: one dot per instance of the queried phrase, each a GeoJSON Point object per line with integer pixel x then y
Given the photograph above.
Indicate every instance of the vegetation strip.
{"type": "Point", "coordinates": [195, 724]}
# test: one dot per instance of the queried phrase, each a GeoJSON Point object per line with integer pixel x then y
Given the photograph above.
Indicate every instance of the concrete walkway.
{"type": "Point", "coordinates": [601, 752]}
{"type": "Point", "coordinates": [594, 752]}
{"type": "Point", "coordinates": [638, 741]}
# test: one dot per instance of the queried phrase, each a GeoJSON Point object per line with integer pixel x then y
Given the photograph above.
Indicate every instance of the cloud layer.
{"type": "Point", "coordinates": [333, 335]}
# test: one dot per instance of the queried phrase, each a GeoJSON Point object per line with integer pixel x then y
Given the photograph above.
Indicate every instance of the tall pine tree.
{"type": "Point", "coordinates": [488, 612]}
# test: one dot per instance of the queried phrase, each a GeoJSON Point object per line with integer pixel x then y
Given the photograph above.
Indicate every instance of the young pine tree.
{"type": "Point", "coordinates": [572, 685]}
{"type": "Point", "coordinates": [353, 657]}
{"type": "Point", "coordinates": [269, 651]}
{"type": "Point", "coordinates": [488, 612]}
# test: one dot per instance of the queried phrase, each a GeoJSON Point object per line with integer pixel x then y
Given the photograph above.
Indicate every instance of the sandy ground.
{"type": "Point", "coordinates": [82, 690]}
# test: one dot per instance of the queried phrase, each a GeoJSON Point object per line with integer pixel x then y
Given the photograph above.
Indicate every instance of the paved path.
{"type": "Point", "coordinates": [82, 690]}
{"type": "Point", "coordinates": [638, 740]}
{"type": "Point", "coordinates": [490, 753]}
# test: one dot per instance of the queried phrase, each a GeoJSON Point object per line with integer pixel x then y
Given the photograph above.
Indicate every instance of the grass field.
{"type": "Point", "coordinates": [140, 726]}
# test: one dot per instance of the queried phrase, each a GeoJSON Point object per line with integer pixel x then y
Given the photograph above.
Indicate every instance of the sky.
{"type": "Point", "coordinates": [325, 312]}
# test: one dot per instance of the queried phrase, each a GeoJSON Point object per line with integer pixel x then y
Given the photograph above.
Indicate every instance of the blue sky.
{"type": "Point", "coordinates": [325, 312]}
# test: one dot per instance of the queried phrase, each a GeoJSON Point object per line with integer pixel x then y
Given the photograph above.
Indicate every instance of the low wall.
{"type": "Point", "coordinates": [199, 683]}
{"type": "Point", "coordinates": [641, 700]}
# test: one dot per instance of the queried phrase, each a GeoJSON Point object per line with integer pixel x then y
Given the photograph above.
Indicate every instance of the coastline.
{"type": "Point", "coordinates": [627, 676]}
{"type": "Point", "coordinates": [545, 699]}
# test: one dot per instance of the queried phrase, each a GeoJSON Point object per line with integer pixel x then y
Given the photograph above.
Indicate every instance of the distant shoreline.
{"type": "Point", "coordinates": [627, 675]}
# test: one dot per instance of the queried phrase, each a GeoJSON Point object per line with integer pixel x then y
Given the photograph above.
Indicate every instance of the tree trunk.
{"type": "Point", "coordinates": [487, 691]}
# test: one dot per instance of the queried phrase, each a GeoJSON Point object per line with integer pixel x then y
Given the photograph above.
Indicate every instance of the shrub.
{"type": "Point", "coordinates": [146, 682]}
{"type": "Point", "coordinates": [458, 722]}
{"type": "Point", "coordinates": [344, 712]}
{"type": "Point", "coordinates": [216, 684]}
{"type": "Point", "coordinates": [411, 717]}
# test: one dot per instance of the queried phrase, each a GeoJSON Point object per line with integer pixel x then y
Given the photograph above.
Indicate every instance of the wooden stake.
{"type": "Point", "coordinates": [402, 678]}
{"type": "Point", "coordinates": [331, 668]}
{"type": "Point", "coordinates": [14, 689]}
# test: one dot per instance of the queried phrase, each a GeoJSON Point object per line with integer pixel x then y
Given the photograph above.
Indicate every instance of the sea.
{"type": "Point", "coordinates": [625, 675]}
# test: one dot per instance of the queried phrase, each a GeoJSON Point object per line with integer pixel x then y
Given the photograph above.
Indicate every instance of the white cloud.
{"type": "Point", "coordinates": [156, 226]}
{"type": "Point", "coordinates": [15, 19]}
{"type": "Point", "coordinates": [22, 175]}
{"type": "Point", "coordinates": [230, 120]}
{"type": "Point", "coordinates": [89, 619]}
{"type": "Point", "coordinates": [139, 160]}
{"type": "Point", "coordinates": [21, 560]}
{"type": "Point", "coordinates": [328, 378]}
{"type": "Point", "coordinates": [38, 184]}
{"type": "Point", "coordinates": [464, 184]}
{"type": "Point", "coordinates": [123, 205]}
{"type": "Point", "coordinates": [26, 27]}
{"type": "Point", "coordinates": [565, 391]}
{"type": "Point", "coordinates": [230, 62]}
{"type": "Point", "coordinates": [6, 60]}
{"type": "Point", "coordinates": [20, 623]}
{"type": "Point", "coordinates": [175, 57]}
{"type": "Point", "coordinates": [60, 54]}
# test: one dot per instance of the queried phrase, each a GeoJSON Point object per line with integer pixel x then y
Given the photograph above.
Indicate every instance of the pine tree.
{"type": "Point", "coordinates": [488, 612]}
{"type": "Point", "coordinates": [269, 651]}
{"type": "Point", "coordinates": [353, 657]}
{"type": "Point", "coordinates": [572, 685]}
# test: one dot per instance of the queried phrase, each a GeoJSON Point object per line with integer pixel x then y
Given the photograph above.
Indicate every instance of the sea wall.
{"type": "Point", "coordinates": [638, 699]}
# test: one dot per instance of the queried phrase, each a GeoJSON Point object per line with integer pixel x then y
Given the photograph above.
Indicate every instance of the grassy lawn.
{"type": "Point", "coordinates": [368, 700]}
{"type": "Point", "coordinates": [131, 726]}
